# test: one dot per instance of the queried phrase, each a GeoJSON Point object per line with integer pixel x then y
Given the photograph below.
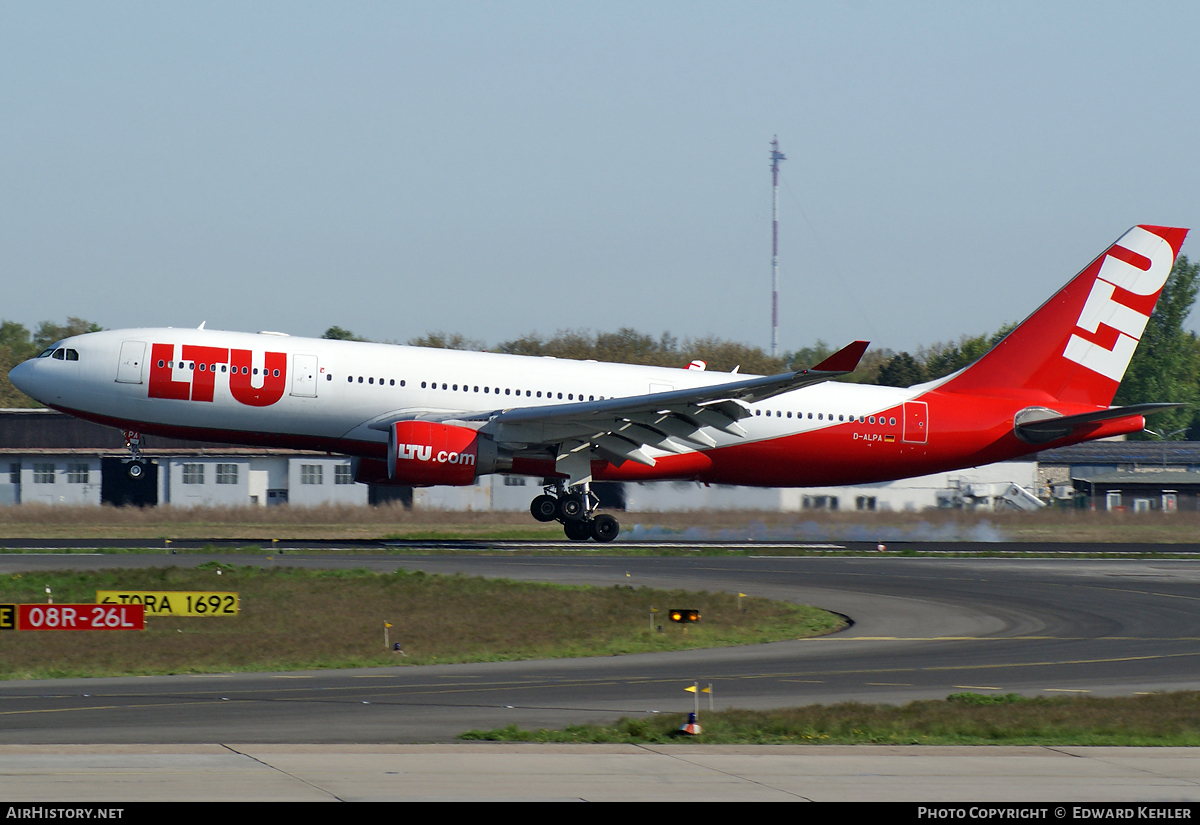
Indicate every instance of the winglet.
{"type": "Point", "coordinates": [844, 360]}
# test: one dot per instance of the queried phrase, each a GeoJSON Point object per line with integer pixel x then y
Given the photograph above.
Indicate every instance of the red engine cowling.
{"type": "Point", "coordinates": [427, 453]}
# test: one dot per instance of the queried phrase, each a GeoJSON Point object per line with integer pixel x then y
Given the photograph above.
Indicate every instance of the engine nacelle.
{"type": "Point", "coordinates": [426, 453]}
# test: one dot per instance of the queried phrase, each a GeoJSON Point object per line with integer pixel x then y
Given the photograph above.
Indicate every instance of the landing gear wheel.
{"type": "Point", "coordinates": [571, 508]}
{"type": "Point", "coordinates": [136, 469]}
{"type": "Point", "coordinates": [578, 530]}
{"type": "Point", "coordinates": [544, 508]}
{"type": "Point", "coordinates": [605, 528]}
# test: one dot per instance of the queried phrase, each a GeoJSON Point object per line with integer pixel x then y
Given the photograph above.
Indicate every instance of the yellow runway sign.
{"type": "Point", "coordinates": [175, 602]}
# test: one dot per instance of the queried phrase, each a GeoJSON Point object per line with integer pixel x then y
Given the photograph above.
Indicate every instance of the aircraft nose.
{"type": "Point", "coordinates": [22, 377]}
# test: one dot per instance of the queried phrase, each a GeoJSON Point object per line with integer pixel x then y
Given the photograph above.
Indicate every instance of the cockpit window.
{"type": "Point", "coordinates": [72, 355]}
{"type": "Point", "coordinates": [46, 352]}
{"type": "Point", "coordinates": [59, 354]}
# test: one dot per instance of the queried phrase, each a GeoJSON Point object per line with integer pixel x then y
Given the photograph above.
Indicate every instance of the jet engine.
{"type": "Point", "coordinates": [427, 453]}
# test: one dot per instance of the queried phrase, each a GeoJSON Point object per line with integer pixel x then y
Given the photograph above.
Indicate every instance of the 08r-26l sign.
{"type": "Point", "coordinates": [80, 617]}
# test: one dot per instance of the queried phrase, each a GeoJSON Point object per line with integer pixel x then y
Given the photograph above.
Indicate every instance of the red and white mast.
{"type": "Point", "coordinates": [776, 156]}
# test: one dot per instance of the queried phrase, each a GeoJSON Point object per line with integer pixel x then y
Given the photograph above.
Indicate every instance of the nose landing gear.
{"type": "Point", "coordinates": [137, 464]}
{"type": "Point", "coordinates": [575, 508]}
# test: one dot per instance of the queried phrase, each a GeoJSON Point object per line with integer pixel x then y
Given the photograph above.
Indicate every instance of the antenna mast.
{"type": "Point", "coordinates": [776, 156]}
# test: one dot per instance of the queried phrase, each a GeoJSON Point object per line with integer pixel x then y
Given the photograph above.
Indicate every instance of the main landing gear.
{"type": "Point", "coordinates": [575, 507]}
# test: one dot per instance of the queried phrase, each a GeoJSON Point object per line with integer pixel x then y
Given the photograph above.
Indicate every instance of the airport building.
{"type": "Point", "coordinates": [52, 458]}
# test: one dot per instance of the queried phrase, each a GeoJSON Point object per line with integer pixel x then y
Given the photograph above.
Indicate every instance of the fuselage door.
{"type": "Point", "coordinates": [916, 422]}
{"type": "Point", "coordinates": [304, 376]}
{"type": "Point", "coordinates": [129, 367]}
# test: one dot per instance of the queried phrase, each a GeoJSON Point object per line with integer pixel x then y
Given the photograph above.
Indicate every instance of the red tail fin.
{"type": "Point", "coordinates": [1076, 346]}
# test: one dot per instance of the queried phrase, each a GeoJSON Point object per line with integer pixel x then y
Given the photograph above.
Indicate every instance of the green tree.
{"type": "Point", "coordinates": [338, 334]}
{"type": "Point", "coordinates": [48, 332]}
{"type": "Point", "coordinates": [1166, 364]}
{"type": "Point", "coordinates": [902, 370]}
{"type": "Point", "coordinates": [440, 340]}
{"type": "Point", "coordinates": [17, 345]}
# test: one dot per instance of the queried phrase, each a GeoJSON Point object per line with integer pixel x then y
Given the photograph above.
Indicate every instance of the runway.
{"type": "Point", "coordinates": [922, 628]}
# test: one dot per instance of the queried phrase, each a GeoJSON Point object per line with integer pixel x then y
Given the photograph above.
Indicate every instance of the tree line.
{"type": "Point", "coordinates": [1165, 366]}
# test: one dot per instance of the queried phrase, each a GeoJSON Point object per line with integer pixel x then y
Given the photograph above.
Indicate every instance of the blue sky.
{"type": "Point", "coordinates": [500, 168]}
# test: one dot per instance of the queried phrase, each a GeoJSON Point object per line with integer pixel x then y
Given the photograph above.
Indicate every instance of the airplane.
{"type": "Point", "coordinates": [419, 416]}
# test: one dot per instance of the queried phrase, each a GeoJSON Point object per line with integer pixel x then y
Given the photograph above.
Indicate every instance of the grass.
{"type": "Point", "coordinates": [293, 619]}
{"type": "Point", "coordinates": [1168, 719]}
{"type": "Point", "coordinates": [334, 522]}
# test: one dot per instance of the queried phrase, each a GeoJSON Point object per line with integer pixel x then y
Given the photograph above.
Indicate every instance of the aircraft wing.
{"type": "Point", "coordinates": [617, 429]}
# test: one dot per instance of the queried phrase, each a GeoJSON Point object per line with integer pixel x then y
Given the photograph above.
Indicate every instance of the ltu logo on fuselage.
{"type": "Point", "coordinates": [248, 384]}
{"type": "Point", "coordinates": [1138, 265]}
{"type": "Point", "coordinates": [424, 452]}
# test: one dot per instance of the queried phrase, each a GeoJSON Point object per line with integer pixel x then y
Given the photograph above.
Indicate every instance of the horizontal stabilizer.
{"type": "Point", "coordinates": [1038, 425]}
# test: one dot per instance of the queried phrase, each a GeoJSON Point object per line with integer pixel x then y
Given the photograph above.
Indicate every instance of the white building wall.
{"type": "Point", "coordinates": [186, 489]}
{"type": "Point", "coordinates": [48, 480]}
{"type": "Point", "coordinates": [514, 493]}
{"type": "Point", "coordinates": [259, 481]}
{"type": "Point", "coordinates": [922, 492]}
{"type": "Point", "coordinates": [672, 496]}
{"type": "Point", "coordinates": [320, 486]}
{"type": "Point", "coordinates": [10, 481]}
{"type": "Point", "coordinates": [493, 493]}
{"type": "Point", "coordinates": [475, 497]}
